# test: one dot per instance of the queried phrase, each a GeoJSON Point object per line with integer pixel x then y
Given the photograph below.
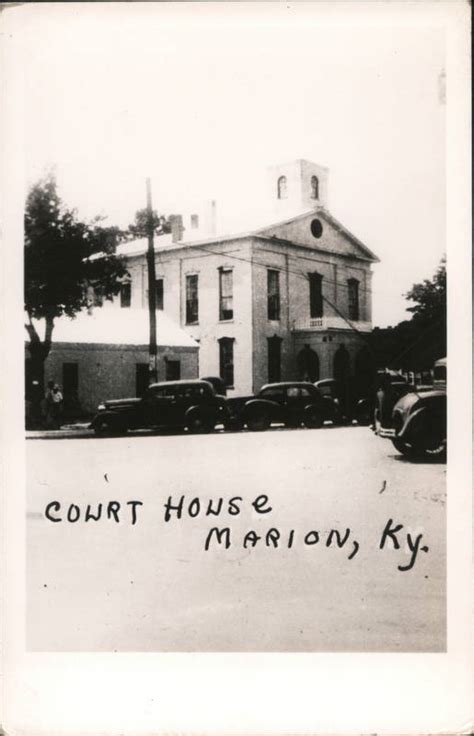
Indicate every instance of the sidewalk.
{"type": "Point", "coordinates": [75, 431]}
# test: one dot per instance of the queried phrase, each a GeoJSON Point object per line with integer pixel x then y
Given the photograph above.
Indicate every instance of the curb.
{"type": "Point", "coordinates": [55, 434]}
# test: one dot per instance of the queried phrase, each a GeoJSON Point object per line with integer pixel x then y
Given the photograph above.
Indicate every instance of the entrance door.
{"type": "Point", "coordinates": [172, 370]}
{"type": "Point", "coordinates": [308, 365]}
{"type": "Point", "coordinates": [142, 377]}
{"type": "Point", "coordinates": [274, 359]}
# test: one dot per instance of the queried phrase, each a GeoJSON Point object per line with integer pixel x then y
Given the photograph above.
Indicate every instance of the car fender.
{"type": "Point", "coordinates": [112, 416]}
{"type": "Point", "coordinates": [322, 408]}
{"type": "Point", "coordinates": [413, 422]}
{"type": "Point", "coordinates": [260, 405]}
{"type": "Point", "coordinates": [204, 410]}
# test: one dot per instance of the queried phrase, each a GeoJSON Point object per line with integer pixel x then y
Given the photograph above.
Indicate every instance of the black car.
{"type": "Point", "coordinates": [351, 407]}
{"type": "Point", "coordinates": [290, 403]}
{"type": "Point", "coordinates": [417, 421]}
{"type": "Point", "coordinates": [172, 404]}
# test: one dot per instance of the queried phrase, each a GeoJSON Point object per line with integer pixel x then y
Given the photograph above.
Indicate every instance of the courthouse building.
{"type": "Point", "coordinates": [286, 300]}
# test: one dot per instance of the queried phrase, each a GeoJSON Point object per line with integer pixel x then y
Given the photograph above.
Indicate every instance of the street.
{"type": "Point", "coordinates": [303, 556]}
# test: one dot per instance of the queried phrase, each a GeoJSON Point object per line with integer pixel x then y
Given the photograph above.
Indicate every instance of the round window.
{"type": "Point", "coordinates": [316, 228]}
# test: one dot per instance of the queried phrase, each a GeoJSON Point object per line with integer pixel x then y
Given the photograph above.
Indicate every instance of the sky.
{"type": "Point", "coordinates": [202, 98]}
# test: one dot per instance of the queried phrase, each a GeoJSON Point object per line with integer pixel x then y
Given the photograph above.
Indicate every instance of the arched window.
{"type": "Point", "coordinates": [282, 188]}
{"type": "Point", "coordinates": [314, 187]}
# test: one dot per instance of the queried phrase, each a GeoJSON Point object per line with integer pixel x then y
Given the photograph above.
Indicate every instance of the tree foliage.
{"type": "Point", "coordinates": [430, 297]}
{"type": "Point", "coordinates": [140, 228]}
{"type": "Point", "coordinates": [61, 259]}
{"type": "Point", "coordinates": [415, 344]}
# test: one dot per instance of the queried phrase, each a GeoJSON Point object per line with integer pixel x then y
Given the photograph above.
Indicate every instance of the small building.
{"type": "Point", "coordinates": [104, 355]}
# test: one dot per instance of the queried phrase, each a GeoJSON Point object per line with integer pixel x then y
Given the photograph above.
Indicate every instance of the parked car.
{"type": "Point", "coordinates": [218, 384]}
{"type": "Point", "coordinates": [360, 408]}
{"type": "Point", "coordinates": [418, 422]}
{"type": "Point", "coordinates": [288, 403]}
{"type": "Point", "coordinates": [171, 404]}
{"type": "Point", "coordinates": [391, 386]}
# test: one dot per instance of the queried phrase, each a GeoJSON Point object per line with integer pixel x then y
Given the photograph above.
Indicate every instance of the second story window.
{"type": "Point", "coordinates": [273, 294]}
{"type": "Point", "coordinates": [314, 187]}
{"type": "Point", "coordinates": [159, 294]}
{"type": "Point", "coordinates": [126, 294]}
{"type": "Point", "coordinates": [226, 308]}
{"type": "Point", "coordinates": [282, 188]}
{"type": "Point", "coordinates": [192, 299]}
{"type": "Point", "coordinates": [353, 298]}
{"type": "Point", "coordinates": [315, 295]}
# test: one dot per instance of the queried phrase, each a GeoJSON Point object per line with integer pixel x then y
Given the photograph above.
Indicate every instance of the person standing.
{"type": "Point", "coordinates": [56, 406]}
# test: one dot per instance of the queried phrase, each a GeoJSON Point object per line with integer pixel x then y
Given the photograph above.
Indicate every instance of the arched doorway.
{"type": "Point", "coordinates": [308, 364]}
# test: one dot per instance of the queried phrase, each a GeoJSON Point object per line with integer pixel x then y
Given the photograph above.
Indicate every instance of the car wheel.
{"type": "Point", "coordinates": [234, 424]}
{"type": "Point", "coordinates": [364, 417]}
{"type": "Point", "coordinates": [405, 448]}
{"type": "Point", "coordinates": [258, 422]}
{"type": "Point", "coordinates": [435, 450]}
{"type": "Point", "coordinates": [313, 418]}
{"type": "Point", "coordinates": [197, 423]}
{"type": "Point", "coordinates": [105, 428]}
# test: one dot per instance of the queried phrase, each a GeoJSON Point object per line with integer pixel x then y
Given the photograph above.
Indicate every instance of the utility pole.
{"type": "Point", "coordinates": [153, 372]}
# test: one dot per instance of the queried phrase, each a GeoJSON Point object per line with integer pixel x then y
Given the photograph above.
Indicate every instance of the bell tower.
{"type": "Point", "coordinates": [297, 187]}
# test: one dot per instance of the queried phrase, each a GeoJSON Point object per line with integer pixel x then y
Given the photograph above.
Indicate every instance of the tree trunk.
{"type": "Point", "coordinates": [35, 388]}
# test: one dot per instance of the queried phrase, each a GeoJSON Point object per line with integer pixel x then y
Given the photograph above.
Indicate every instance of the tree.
{"type": "Point", "coordinates": [141, 227]}
{"type": "Point", "coordinates": [61, 259]}
{"type": "Point", "coordinates": [430, 297]}
{"type": "Point", "coordinates": [414, 345]}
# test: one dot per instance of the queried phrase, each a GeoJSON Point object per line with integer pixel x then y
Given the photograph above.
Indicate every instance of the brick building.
{"type": "Point", "coordinates": [104, 355]}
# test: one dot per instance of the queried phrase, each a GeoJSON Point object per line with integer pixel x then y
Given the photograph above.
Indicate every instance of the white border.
{"type": "Point", "coordinates": [245, 693]}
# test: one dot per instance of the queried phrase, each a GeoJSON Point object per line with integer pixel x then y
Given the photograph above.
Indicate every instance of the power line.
{"type": "Point", "coordinates": [300, 274]}
{"type": "Point", "coordinates": [305, 277]}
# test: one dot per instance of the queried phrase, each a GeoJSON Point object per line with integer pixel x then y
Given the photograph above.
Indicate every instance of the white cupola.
{"type": "Point", "coordinates": [297, 187]}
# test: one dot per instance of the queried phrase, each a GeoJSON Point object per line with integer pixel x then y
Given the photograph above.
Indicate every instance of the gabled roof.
{"type": "Point", "coordinates": [291, 230]}
{"type": "Point", "coordinates": [115, 326]}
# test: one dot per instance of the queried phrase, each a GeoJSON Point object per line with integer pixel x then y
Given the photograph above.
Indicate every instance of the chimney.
{"type": "Point", "coordinates": [213, 216]}
{"type": "Point", "coordinates": [177, 229]}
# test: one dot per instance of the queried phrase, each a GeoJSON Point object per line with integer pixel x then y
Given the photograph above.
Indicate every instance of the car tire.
{"type": "Point", "coordinates": [197, 423]}
{"type": "Point", "coordinates": [313, 418]}
{"type": "Point", "coordinates": [234, 424]}
{"type": "Point", "coordinates": [105, 428]}
{"type": "Point", "coordinates": [405, 448]}
{"type": "Point", "coordinates": [363, 416]}
{"type": "Point", "coordinates": [436, 453]}
{"type": "Point", "coordinates": [436, 450]}
{"type": "Point", "coordinates": [258, 422]}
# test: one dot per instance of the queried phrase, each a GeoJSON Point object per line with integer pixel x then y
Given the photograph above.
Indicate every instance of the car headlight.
{"type": "Point", "coordinates": [101, 407]}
